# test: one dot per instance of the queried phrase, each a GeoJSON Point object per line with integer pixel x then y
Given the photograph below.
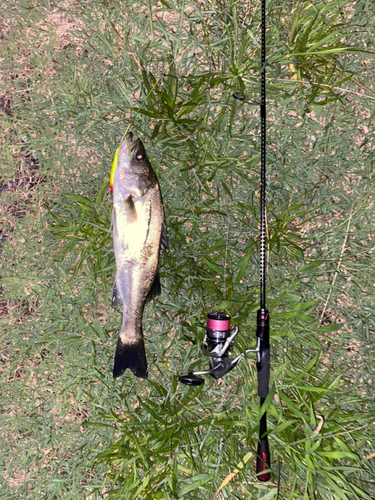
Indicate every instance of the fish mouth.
{"type": "Point", "coordinates": [134, 148]}
{"type": "Point", "coordinates": [132, 143]}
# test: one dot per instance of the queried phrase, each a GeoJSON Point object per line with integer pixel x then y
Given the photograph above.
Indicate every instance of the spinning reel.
{"type": "Point", "coordinates": [217, 345]}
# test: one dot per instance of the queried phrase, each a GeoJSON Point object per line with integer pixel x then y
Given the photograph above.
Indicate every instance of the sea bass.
{"type": "Point", "coordinates": [139, 235]}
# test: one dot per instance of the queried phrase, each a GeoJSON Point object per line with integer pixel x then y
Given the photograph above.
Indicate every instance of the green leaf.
{"type": "Point", "coordinates": [197, 481]}
{"type": "Point", "coordinates": [337, 454]}
{"type": "Point", "coordinates": [310, 265]}
{"type": "Point", "coordinates": [243, 266]}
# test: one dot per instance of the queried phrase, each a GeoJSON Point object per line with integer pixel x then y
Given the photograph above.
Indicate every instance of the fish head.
{"type": "Point", "coordinates": [132, 156]}
{"type": "Point", "coordinates": [133, 171]}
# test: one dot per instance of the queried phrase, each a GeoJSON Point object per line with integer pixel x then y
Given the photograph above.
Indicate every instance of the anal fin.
{"type": "Point", "coordinates": [164, 238]}
{"type": "Point", "coordinates": [116, 299]}
{"type": "Point", "coordinates": [155, 289]}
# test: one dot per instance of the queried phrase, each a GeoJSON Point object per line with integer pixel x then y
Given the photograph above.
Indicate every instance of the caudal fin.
{"type": "Point", "coordinates": [132, 356]}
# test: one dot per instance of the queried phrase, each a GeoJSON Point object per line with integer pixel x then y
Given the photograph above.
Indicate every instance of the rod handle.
{"type": "Point", "coordinates": [263, 459]}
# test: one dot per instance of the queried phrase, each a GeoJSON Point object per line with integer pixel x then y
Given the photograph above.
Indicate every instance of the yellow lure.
{"type": "Point", "coordinates": [114, 163]}
{"type": "Point", "coordinates": [112, 176]}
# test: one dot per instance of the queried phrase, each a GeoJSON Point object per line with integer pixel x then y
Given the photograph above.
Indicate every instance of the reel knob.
{"type": "Point", "coordinates": [191, 379]}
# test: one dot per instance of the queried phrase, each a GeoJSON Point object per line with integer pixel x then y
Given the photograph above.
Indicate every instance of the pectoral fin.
{"type": "Point", "coordinates": [130, 210]}
{"type": "Point", "coordinates": [116, 299]}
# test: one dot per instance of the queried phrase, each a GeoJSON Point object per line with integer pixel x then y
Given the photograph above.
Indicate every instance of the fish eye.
{"type": "Point", "coordinates": [140, 157]}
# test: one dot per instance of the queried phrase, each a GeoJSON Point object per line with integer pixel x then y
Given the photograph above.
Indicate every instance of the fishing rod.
{"type": "Point", "coordinates": [220, 336]}
{"type": "Point", "coordinates": [263, 318]}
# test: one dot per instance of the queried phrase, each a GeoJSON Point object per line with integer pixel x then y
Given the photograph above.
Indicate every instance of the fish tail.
{"type": "Point", "coordinates": [130, 355]}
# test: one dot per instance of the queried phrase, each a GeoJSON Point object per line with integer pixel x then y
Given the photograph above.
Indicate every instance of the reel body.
{"type": "Point", "coordinates": [217, 345]}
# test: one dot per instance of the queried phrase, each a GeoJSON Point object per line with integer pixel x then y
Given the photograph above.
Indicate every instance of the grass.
{"type": "Point", "coordinates": [74, 76]}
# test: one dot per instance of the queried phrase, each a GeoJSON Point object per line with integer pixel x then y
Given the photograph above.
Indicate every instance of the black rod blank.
{"type": "Point", "coordinates": [263, 164]}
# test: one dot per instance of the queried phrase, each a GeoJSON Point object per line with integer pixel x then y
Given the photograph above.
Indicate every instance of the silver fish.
{"type": "Point", "coordinates": [139, 235]}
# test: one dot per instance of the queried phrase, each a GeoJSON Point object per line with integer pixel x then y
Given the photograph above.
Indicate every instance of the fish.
{"type": "Point", "coordinates": [139, 237]}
